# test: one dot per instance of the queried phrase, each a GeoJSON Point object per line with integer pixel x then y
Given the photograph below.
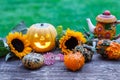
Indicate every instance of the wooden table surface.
{"type": "Point", "coordinates": [97, 69]}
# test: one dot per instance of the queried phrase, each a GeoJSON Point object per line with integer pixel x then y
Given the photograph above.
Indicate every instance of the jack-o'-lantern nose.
{"type": "Point", "coordinates": [42, 38]}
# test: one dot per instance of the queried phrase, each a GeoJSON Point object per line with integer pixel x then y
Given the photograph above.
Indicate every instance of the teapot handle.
{"type": "Point", "coordinates": [117, 22]}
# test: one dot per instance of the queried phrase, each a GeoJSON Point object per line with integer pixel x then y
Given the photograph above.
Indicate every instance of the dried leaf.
{"type": "Point", "coordinates": [8, 56]}
{"type": "Point", "coordinates": [21, 27]}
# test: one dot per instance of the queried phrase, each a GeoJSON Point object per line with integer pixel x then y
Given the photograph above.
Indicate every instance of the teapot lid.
{"type": "Point", "coordinates": [106, 17]}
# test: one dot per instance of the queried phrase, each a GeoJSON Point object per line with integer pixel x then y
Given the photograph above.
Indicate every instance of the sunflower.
{"type": "Point", "coordinates": [18, 44]}
{"type": "Point", "coordinates": [70, 40]}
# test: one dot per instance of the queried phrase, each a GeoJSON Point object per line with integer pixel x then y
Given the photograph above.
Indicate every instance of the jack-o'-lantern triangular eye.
{"type": "Point", "coordinates": [36, 35]}
{"type": "Point", "coordinates": [47, 35]}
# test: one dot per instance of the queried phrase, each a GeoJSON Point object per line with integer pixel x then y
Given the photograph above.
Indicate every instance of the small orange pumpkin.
{"type": "Point", "coordinates": [74, 61]}
{"type": "Point", "coordinates": [42, 37]}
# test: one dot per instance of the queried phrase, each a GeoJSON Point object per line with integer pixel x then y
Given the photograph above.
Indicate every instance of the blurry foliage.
{"type": "Point", "coordinates": [68, 13]}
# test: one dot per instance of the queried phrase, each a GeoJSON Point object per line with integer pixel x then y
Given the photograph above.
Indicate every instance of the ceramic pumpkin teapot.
{"type": "Point", "coordinates": [105, 27]}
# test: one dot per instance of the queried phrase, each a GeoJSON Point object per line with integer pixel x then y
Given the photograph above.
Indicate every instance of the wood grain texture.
{"type": "Point", "coordinates": [97, 69]}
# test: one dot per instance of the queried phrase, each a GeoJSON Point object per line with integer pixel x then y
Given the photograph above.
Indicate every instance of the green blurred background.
{"type": "Point", "coordinates": [68, 13]}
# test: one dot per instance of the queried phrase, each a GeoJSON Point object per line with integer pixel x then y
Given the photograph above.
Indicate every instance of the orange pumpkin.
{"type": "Point", "coordinates": [42, 37]}
{"type": "Point", "coordinates": [74, 61]}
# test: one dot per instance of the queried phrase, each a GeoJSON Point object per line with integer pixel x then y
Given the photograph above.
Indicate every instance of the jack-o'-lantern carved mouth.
{"type": "Point", "coordinates": [42, 46]}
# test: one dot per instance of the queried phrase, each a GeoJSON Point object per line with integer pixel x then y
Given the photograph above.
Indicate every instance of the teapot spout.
{"type": "Point", "coordinates": [90, 25]}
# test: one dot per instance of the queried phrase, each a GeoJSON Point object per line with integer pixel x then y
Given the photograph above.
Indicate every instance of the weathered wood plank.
{"type": "Point", "coordinates": [97, 69]}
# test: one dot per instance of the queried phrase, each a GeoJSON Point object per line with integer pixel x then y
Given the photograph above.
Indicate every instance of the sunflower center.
{"type": "Point", "coordinates": [71, 43]}
{"type": "Point", "coordinates": [18, 45]}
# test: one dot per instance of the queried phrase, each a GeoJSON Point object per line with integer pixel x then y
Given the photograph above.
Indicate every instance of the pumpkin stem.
{"type": "Point", "coordinates": [92, 48]}
{"type": "Point", "coordinates": [79, 43]}
{"type": "Point", "coordinates": [41, 24]}
{"type": "Point", "coordinates": [73, 50]}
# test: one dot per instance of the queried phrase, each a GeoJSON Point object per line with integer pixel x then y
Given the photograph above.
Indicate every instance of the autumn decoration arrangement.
{"type": "Point", "coordinates": [42, 44]}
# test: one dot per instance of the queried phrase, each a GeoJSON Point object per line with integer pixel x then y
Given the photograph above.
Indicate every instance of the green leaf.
{"type": "Point", "coordinates": [1, 43]}
{"type": "Point", "coordinates": [88, 35]}
{"type": "Point", "coordinates": [60, 32]}
{"type": "Point", "coordinates": [21, 27]}
{"type": "Point", "coordinates": [8, 56]}
{"type": "Point", "coordinates": [3, 51]}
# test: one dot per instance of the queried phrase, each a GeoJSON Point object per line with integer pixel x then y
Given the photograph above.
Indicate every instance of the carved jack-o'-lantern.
{"type": "Point", "coordinates": [42, 37]}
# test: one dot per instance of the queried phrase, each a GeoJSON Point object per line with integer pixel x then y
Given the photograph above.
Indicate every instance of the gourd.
{"type": "Point", "coordinates": [87, 53]}
{"type": "Point", "coordinates": [33, 61]}
{"type": "Point", "coordinates": [108, 49]}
